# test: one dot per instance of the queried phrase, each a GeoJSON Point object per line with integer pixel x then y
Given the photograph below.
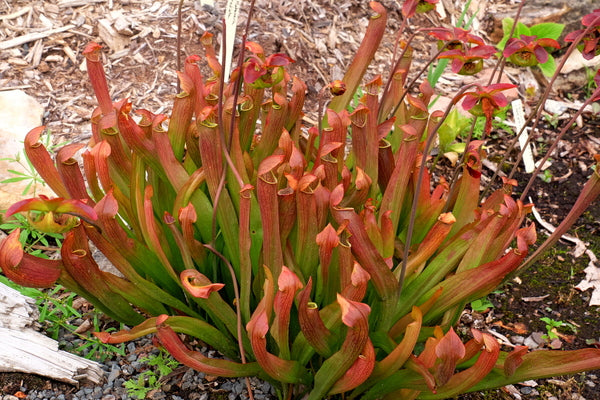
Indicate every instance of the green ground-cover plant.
{"type": "Point", "coordinates": [161, 365]}
{"type": "Point", "coordinates": [325, 274]}
{"type": "Point", "coordinates": [33, 240]}
{"type": "Point", "coordinates": [455, 131]}
{"type": "Point", "coordinates": [55, 310]}
{"type": "Point", "coordinates": [481, 305]}
{"type": "Point", "coordinates": [553, 325]}
{"type": "Point", "coordinates": [94, 348]}
{"type": "Point", "coordinates": [529, 46]}
{"type": "Point", "coordinates": [56, 313]}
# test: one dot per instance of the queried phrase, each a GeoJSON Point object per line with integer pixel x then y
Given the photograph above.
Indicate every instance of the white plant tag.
{"type": "Point", "coordinates": [528, 162]}
{"type": "Point", "coordinates": [232, 13]}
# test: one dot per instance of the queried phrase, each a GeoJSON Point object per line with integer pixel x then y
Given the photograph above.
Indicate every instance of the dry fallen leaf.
{"type": "Point", "coordinates": [592, 280]}
{"type": "Point", "coordinates": [518, 327]}
{"type": "Point", "coordinates": [534, 298]}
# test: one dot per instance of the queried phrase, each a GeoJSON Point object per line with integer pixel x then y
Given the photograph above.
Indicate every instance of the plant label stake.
{"type": "Point", "coordinates": [232, 13]}
{"type": "Point", "coordinates": [517, 107]}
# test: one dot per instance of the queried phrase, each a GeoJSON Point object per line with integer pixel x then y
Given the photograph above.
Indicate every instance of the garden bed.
{"type": "Point", "coordinates": [322, 37]}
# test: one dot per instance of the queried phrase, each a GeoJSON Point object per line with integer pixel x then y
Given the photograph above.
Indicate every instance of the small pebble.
{"type": "Point", "coordinates": [531, 342]}
{"type": "Point", "coordinates": [517, 339]}
{"type": "Point", "coordinates": [526, 390]}
{"type": "Point", "coordinates": [115, 371]}
{"type": "Point", "coordinates": [127, 370]}
{"type": "Point", "coordinates": [137, 365]}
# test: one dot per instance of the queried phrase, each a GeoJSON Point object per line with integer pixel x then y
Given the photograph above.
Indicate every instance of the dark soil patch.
{"type": "Point", "coordinates": [547, 289]}
{"type": "Point", "coordinates": [14, 383]}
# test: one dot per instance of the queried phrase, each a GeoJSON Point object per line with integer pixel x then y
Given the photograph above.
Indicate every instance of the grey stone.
{"type": "Point", "coordinates": [530, 342]}
{"type": "Point", "coordinates": [19, 113]}
{"type": "Point", "coordinates": [115, 371]}
{"type": "Point", "coordinates": [526, 390]}
{"type": "Point", "coordinates": [517, 339]}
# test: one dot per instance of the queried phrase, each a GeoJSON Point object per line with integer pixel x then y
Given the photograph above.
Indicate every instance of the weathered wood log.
{"type": "Point", "coordinates": [23, 349]}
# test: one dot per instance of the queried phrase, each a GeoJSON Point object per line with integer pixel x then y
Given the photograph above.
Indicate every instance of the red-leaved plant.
{"type": "Point", "coordinates": [319, 263]}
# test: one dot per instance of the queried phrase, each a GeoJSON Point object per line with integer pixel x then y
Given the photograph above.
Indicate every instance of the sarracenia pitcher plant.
{"type": "Point", "coordinates": [324, 259]}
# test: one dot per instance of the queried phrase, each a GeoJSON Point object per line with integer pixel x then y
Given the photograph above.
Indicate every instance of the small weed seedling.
{"type": "Point", "coordinates": [93, 348]}
{"type": "Point", "coordinates": [481, 305]}
{"type": "Point", "coordinates": [29, 173]}
{"type": "Point", "coordinates": [56, 308]}
{"type": "Point", "coordinates": [162, 365]}
{"type": "Point", "coordinates": [553, 325]}
{"type": "Point", "coordinates": [546, 176]}
{"type": "Point", "coordinates": [552, 120]}
{"type": "Point", "coordinates": [32, 239]}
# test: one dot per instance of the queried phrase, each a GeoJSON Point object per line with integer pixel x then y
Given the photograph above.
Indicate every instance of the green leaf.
{"type": "Point", "coordinates": [9, 226]}
{"type": "Point", "coordinates": [12, 180]}
{"type": "Point", "coordinates": [136, 388]}
{"type": "Point", "coordinates": [459, 23]}
{"type": "Point", "coordinates": [434, 74]}
{"type": "Point", "coordinates": [481, 304]}
{"type": "Point", "coordinates": [522, 29]}
{"type": "Point", "coordinates": [457, 147]}
{"type": "Point", "coordinates": [15, 172]}
{"type": "Point", "coordinates": [24, 192]}
{"type": "Point", "coordinates": [549, 67]}
{"type": "Point", "coordinates": [25, 291]}
{"type": "Point", "coordinates": [24, 235]}
{"type": "Point", "coordinates": [507, 24]}
{"type": "Point", "coordinates": [43, 313]}
{"type": "Point", "coordinates": [548, 30]}
{"type": "Point", "coordinates": [44, 241]}
{"type": "Point", "coordinates": [453, 126]}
